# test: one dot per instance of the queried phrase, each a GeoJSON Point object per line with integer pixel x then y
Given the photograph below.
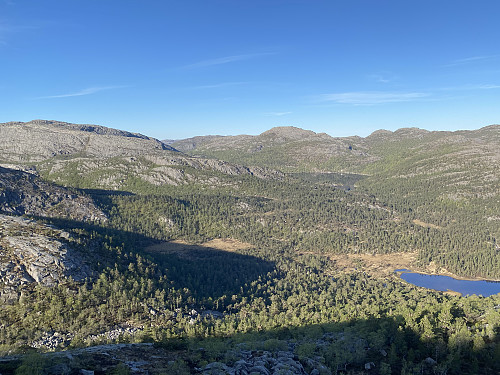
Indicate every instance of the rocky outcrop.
{"type": "Point", "coordinates": [33, 253]}
{"type": "Point", "coordinates": [156, 169]}
{"type": "Point", "coordinates": [215, 165]}
{"type": "Point", "coordinates": [259, 362]}
{"type": "Point", "coordinates": [40, 139]}
{"type": "Point", "coordinates": [53, 340]}
{"type": "Point", "coordinates": [100, 157]}
{"type": "Point", "coordinates": [23, 193]}
{"type": "Point", "coordinates": [153, 359]}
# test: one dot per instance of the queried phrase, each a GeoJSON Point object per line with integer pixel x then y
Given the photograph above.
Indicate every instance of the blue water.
{"type": "Point", "coordinates": [444, 283]}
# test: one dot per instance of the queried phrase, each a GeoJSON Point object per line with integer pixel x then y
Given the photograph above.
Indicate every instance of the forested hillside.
{"type": "Point", "coordinates": [234, 263]}
{"type": "Point", "coordinates": [445, 182]}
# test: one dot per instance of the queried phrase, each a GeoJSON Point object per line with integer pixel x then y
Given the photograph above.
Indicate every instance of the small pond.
{"type": "Point", "coordinates": [444, 283]}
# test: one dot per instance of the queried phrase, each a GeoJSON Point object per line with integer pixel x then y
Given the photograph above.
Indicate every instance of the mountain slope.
{"type": "Point", "coordinates": [448, 181]}
{"type": "Point", "coordinates": [289, 149]}
{"type": "Point", "coordinates": [92, 156]}
{"type": "Point", "coordinates": [224, 268]}
{"type": "Point", "coordinates": [33, 252]}
{"type": "Point", "coordinates": [23, 193]}
{"type": "Point", "coordinates": [40, 139]}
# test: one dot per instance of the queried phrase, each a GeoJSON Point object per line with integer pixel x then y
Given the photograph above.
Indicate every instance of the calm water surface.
{"type": "Point", "coordinates": [444, 283]}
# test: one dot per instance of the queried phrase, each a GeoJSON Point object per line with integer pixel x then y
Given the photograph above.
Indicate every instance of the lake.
{"type": "Point", "coordinates": [444, 283]}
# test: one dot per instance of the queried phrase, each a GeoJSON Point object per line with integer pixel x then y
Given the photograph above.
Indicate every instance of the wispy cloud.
{"type": "Point", "coordinates": [383, 77]}
{"type": "Point", "coordinates": [372, 97]}
{"type": "Point", "coordinates": [218, 85]}
{"type": "Point", "coordinates": [487, 87]}
{"type": "Point", "coordinates": [469, 60]}
{"type": "Point", "coordinates": [226, 60]}
{"type": "Point", "coordinates": [7, 29]}
{"type": "Point", "coordinates": [277, 113]}
{"type": "Point", "coordinates": [87, 91]}
{"type": "Point", "coordinates": [483, 86]}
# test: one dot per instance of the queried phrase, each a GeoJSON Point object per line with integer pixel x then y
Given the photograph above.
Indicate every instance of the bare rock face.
{"type": "Point", "coordinates": [213, 165]}
{"type": "Point", "coordinates": [40, 139]}
{"type": "Point", "coordinates": [100, 157]}
{"type": "Point", "coordinates": [33, 253]}
{"type": "Point", "coordinates": [23, 193]}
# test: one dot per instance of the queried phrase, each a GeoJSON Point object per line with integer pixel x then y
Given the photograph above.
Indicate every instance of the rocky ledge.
{"type": "Point", "coordinates": [33, 253]}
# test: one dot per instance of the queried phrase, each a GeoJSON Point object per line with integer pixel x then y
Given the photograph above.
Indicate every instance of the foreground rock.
{"type": "Point", "coordinates": [260, 362]}
{"type": "Point", "coordinates": [150, 359]}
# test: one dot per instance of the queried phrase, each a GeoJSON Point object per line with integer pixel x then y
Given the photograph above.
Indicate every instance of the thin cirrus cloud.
{"type": "Point", "coordinates": [380, 78]}
{"type": "Point", "coordinates": [485, 86]}
{"type": "Point", "coordinates": [226, 60]}
{"type": "Point", "coordinates": [372, 97]}
{"type": "Point", "coordinates": [219, 85]}
{"type": "Point", "coordinates": [383, 77]}
{"type": "Point", "coordinates": [277, 113]}
{"type": "Point", "coordinates": [470, 60]}
{"type": "Point", "coordinates": [7, 29]}
{"type": "Point", "coordinates": [87, 91]}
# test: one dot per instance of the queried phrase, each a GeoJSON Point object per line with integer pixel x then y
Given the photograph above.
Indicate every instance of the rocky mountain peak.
{"type": "Point", "coordinates": [411, 132]}
{"type": "Point", "coordinates": [288, 132]}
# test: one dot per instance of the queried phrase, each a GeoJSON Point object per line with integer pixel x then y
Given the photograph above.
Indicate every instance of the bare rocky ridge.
{"type": "Point", "coordinates": [277, 135]}
{"type": "Point", "coordinates": [39, 139]}
{"type": "Point", "coordinates": [57, 149]}
{"type": "Point", "coordinates": [216, 165]}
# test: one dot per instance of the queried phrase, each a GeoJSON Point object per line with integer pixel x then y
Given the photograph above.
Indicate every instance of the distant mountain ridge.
{"type": "Point", "coordinates": [289, 149]}
{"type": "Point", "coordinates": [304, 150]}
{"type": "Point", "coordinates": [89, 156]}
{"type": "Point", "coordinates": [111, 236]}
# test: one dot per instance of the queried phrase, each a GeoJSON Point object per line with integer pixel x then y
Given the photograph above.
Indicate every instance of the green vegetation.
{"type": "Point", "coordinates": [280, 288]}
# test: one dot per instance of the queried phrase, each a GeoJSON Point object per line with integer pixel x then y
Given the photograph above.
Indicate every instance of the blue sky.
{"type": "Point", "coordinates": [176, 69]}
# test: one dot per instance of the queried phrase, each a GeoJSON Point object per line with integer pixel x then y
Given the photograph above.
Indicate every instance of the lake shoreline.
{"type": "Point", "coordinates": [448, 284]}
{"type": "Point", "coordinates": [447, 273]}
{"type": "Point", "coordinates": [383, 265]}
